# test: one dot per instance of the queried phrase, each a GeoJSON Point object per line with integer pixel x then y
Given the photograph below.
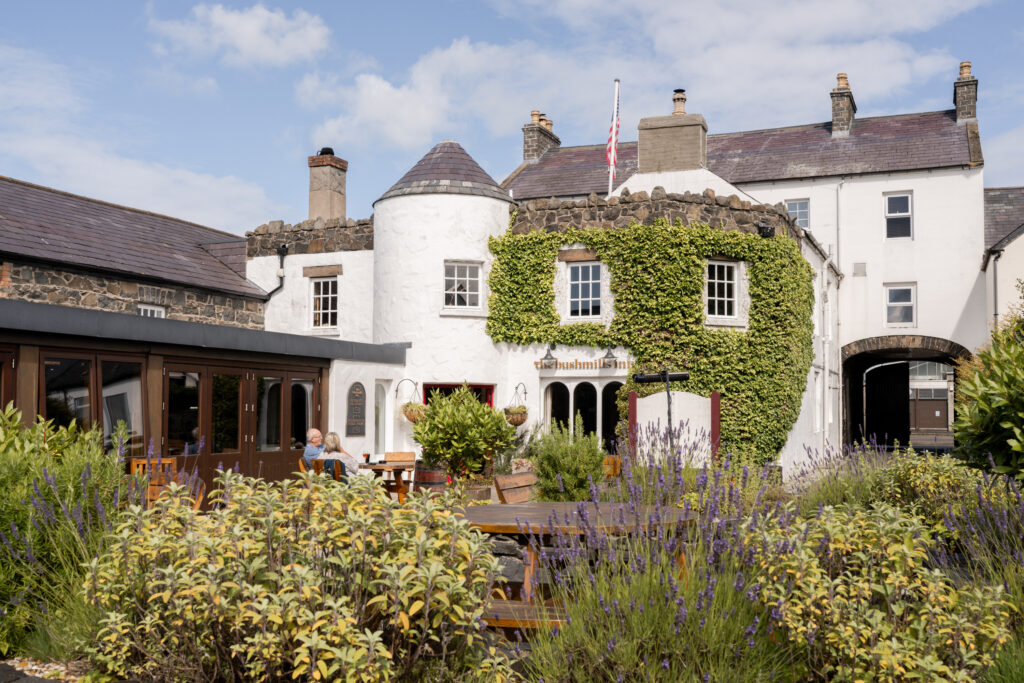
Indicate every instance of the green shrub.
{"type": "Point", "coordinates": [461, 434]}
{"type": "Point", "coordinates": [989, 426]}
{"type": "Point", "coordinates": [566, 463]}
{"type": "Point", "coordinates": [925, 484]}
{"type": "Point", "coordinates": [852, 591]}
{"type": "Point", "coordinates": [1009, 665]}
{"type": "Point", "coordinates": [298, 579]}
{"type": "Point", "coordinates": [60, 492]}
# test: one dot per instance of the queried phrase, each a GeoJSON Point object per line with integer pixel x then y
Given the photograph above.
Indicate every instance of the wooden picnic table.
{"type": "Point", "coordinates": [399, 485]}
{"type": "Point", "coordinates": [545, 519]}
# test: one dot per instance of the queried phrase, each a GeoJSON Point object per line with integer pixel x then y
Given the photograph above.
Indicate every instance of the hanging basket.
{"type": "Point", "coordinates": [516, 415]}
{"type": "Point", "coordinates": [413, 411]}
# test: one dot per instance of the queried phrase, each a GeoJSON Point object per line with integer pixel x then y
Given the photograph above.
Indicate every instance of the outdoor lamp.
{"type": "Point", "coordinates": [608, 360]}
{"type": "Point", "coordinates": [549, 361]}
{"type": "Point", "coordinates": [765, 229]}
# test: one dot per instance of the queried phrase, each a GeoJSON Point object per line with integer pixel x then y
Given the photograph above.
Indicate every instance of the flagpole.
{"type": "Point", "coordinates": [614, 134]}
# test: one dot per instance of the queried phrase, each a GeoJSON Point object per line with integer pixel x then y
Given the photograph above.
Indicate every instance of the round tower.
{"type": "Point", "coordinates": [431, 263]}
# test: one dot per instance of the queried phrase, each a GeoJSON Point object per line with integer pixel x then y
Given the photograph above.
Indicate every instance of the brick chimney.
{"type": "Point", "coordinates": [965, 94]}
{"type": "Point", "coordinates": [538, 136]}
{"type": "Point", "coordinates": [327, 185]}
{"type": "Point", "coordinates": [843, 107]}
{"type": "Point", "coordinates": [678, 142]}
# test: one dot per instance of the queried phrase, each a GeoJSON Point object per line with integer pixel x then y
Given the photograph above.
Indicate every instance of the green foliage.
{"type": "Point", "coordinates": [925, 484]}
{"type": "Point", "coordinates": [461, 434]}
{"type": "Point", "coordinates": [853, 592]}
{"type": "Point", "coordinates": [59, 490]}
{"type": "Point", "coordinates": [566, 464]}
{"type": "Point", "coordinates": [657, 279]}
{"type": "Point", "coordinates": [298, 579]}
{"type": "Point", "coordinates": [989, 426]}
{"type": "Point", "coordinates": [1009, 665]}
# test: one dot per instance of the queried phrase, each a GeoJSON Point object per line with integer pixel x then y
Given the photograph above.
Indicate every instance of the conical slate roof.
{"type": "Point", "coordinates": [447, 169]}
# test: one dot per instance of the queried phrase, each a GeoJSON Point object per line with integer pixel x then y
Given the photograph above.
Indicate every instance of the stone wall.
{"type": "Point", "coordinates": [314, 236]}
{"type": "Point", "coordinates": [30, 282]}
{"type": "Point", "coordinates": [728, 213]}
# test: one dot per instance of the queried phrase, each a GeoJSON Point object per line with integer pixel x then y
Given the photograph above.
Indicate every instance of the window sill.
{"type": "Point", "coordinates": [462, 313]}
{"type": "Point", "coordinates": [325, 332]}
{"type": "Point", "coordinates": [729, 323]}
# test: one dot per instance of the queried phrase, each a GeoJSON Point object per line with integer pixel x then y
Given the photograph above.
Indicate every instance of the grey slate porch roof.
{"type": "Point", "coordinates": [41, 223]}
{"type": "Point", "coordinates": [1004, 215]}
{"type": "Point", "coordinates": [880, 144]}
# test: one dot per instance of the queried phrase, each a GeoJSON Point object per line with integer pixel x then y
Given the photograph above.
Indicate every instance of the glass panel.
{"type": "Point", "coordinates": [473, 299]}
{"type": "Point", "coordinates": [183, 437]}
{"type": "Point", "coordinates": [302, 411]}
{"type": "Point", "coordinates": [574, 290]}
{"type": "Point", "coordinates": [897, 227]}
{"type": "Point", "coordinates": [900, 314]}
{"type": "Point", "coordinates": [268, 413]}
{"type": "Point", "coordinates": [574, 273]}
{"type": "Point", "coordinates": [595, 290]}
{"type": "Point", "coordinates": [449, 271]}
{"type": "Point", "coordinates": [899, 204]}
{"type": "Point", "coordinates": [226, 412]}
{"type": "Point", "coordinates": [595, 308]}
{"type": "Point", "coordinates": [595, 272]}
{"type": "Point", "coordinates": [901, 295]}
{"type": "Point", "coordinates": [122, 402]}
{"type": "Point", "coordinates": [67, 391]}
{"type": "Point", "coordinates": [474, 284]}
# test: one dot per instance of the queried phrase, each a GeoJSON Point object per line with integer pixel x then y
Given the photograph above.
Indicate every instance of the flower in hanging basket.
{"type": "Point", "coordinates": [516, 415]}
{"type": "Point", "coordinates": [413, 411]}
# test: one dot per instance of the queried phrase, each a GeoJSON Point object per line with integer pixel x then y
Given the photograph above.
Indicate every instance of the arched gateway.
{"type": "Point", "coordinates": [899, 388]}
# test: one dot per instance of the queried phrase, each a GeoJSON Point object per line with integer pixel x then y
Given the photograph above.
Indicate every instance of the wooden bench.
{"type": "Point", "coordinates": [514, 614]}
{"type": "Point", "coordinates": [158, 473]}
{"type": "Point", "coordinates": [612, 466]}
{"type": "Point", "coordinates": [318, 467]}
{"type": "Point", "coordinates": [515, 488]}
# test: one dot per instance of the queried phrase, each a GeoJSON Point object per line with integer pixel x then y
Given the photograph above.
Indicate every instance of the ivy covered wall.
{"type": "Point", "coordinates": [657, 280]}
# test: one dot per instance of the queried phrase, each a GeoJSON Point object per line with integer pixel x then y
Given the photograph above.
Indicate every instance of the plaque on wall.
{"type": "Point", "coordinates": [355, 423]}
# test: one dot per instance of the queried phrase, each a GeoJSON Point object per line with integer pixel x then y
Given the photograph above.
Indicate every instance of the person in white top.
{"type": "Point", "coordinates": [334, 451]}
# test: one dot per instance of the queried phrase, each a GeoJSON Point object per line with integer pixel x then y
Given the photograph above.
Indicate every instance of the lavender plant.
{"type": "Point", "coordinates": [655, 601]}
{"type": "Point", "coordinates": [61, 494]}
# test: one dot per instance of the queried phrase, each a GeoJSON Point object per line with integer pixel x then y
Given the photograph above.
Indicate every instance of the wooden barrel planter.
{"type": "Point", "coordinates": [429, 479]}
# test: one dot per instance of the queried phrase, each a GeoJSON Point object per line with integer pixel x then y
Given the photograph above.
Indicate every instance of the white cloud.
{"type": "Point", "coordinates": [255, 36]}
{"type": "Point", "coordinates": [1004, 158]}
{"type": "Point", "coordinates": [44, 126]}
{"type": "Point", "coordinates": [745, 64]}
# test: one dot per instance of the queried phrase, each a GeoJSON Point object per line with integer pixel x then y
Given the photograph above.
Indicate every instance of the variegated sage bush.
{"type": "Point", "coordinates": [304, 579]}
{"type": "Point", "coordinates": [853, 592]}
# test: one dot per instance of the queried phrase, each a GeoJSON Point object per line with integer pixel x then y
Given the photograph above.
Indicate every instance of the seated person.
{"type": "Point", "coordinates": [314, 445]}
{"type": "Point", "coordinates": [334, 451]}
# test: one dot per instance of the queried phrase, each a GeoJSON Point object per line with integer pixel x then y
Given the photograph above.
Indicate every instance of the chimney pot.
{"type": "Point", "coordinates": [535, 116]}
{"type": "Point", "coordinates": [965, 71]}
{"type": "Point", "coordinates": [842, 82]}
{"type": "Point", "coordinates": [326, 151]}
{"type": "Point", "coordinates": [678, 101]}
{"type": "Point", "coordinates": [549, 124]}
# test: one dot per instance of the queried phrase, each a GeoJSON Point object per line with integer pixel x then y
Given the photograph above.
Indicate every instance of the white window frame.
{"type": "Point", "coordinates": [590, 282]}
{"type": "Point", "coordinates": [467, 307]}
{"type": "Point", "coordinates": [899, 214]}
{"type": "Point", "coordinates": [807, 212]}
{"type": "Point", "coordinates": [888, 287]}
{"type": "Point", "coordinates": [152, 311]}
{"type": "Point", "coordinates": [314, 296]}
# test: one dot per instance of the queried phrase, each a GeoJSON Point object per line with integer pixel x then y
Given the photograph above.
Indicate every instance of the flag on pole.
{"type": "Point", "coordinates": [612, 152]}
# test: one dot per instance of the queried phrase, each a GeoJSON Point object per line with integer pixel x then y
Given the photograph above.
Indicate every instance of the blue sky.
{"type": "Point", "coordinates": [208, 111]}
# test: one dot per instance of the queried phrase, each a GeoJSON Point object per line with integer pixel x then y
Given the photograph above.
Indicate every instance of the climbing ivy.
{"type": "Point", "coordinates": [657, 281]}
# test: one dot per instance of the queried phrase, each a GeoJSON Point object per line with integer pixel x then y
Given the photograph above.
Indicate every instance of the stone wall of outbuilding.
{"type": "Point", "coordinates": [44, 284]}
{"type": "Point", "coordinates": [728, 213]}
{"type": "Point", "coordinates": [314, 236]}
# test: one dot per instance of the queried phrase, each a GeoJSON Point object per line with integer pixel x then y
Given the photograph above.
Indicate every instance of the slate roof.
{"type": "Point", "coordinates": [446, 169]}
{"type": "Point", "coordinates": [1004, 215]}
{"type": "Point", "coordinates": [46, 224]}
{"type": "Point", "coordinates": [875, 145]}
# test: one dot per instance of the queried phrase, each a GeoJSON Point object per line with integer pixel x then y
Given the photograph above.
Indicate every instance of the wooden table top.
{"type": "Point", "coordinates": [514, 517]}
{"type": "Point", "coordinates": [387, 466]}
